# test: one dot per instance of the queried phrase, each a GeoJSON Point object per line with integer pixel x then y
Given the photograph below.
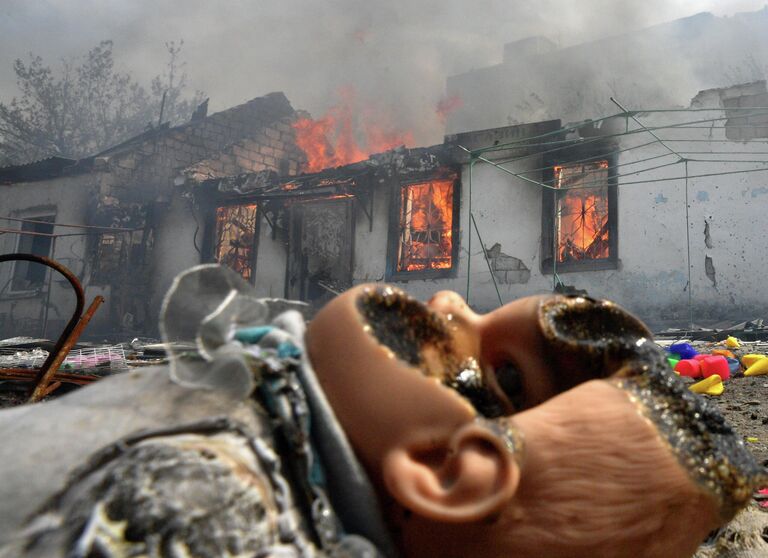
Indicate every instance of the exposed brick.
{"type": "Point", "coordinates": [283, 127]}
{"type": "Point", "coordinates": [239, 151]}
{"type": "Point", "coordinates": [243, 163]}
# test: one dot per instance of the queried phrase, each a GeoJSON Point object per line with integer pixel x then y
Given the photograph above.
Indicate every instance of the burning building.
{"type": "Point", "coordinates": [306, 208]}
{"type": "Point", "coordinates": [501, 213]}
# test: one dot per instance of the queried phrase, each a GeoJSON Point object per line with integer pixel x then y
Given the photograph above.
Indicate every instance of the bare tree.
{"type": "Point", "coordinates": [85, 107]}
{"type": "Point", "coordinates": [173, 83]}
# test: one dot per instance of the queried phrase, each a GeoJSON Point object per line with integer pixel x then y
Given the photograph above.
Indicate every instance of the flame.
{"type": "Point", "coordinates": [235, 229]}
{"type": "Point", "coordinates": [583, 232]}
{"type": "Point", "coordinates": [333, 140]}
{"type": "Point", "coordinates": [426, 235]}
{"type": "Point", "coordinates": [447, 105]}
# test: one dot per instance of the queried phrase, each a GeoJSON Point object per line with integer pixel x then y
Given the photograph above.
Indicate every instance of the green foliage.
{"type": "Point", "coordinates": [87, 105]}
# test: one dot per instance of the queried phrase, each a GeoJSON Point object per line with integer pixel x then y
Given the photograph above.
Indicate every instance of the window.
{"type": "Point", "coordinates": [579, 218]}
{"type": "Point", "coordinates": [426, 230]}
{"type": "Point", "coordinates": [235, 238]}
{"type": "Point", "coordinates": [35, 238]}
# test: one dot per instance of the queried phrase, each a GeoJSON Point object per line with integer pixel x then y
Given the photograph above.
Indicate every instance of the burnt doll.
{"type": "Point", "coordinates": [549, 427]}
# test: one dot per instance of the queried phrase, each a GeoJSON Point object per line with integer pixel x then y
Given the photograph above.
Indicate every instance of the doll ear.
{"type": "Point", "coordinates": [469, 477]}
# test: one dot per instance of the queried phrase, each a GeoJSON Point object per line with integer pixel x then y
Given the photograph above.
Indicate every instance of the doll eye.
{"type": "Point", "coordinates": [404, 325]}
{"type": "Point", "coordinates": [407, 327]}
{"type": "Point", "coordinates": [470, 383]}
{"type": "Point", "coordinates": [510, 381]}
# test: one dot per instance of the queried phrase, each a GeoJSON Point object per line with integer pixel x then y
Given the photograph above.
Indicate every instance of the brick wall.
{"type": "Point", "coordinates": [254, 136]}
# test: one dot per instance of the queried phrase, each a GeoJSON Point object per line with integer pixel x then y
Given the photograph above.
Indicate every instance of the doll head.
{"type": "Point", "coordinates": [548, 427]}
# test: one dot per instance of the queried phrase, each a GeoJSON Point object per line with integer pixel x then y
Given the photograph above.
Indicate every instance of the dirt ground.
{"type": "Point", "coordinates": [745, 405]}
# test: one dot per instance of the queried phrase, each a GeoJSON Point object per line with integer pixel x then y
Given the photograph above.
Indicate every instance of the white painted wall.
{"type": "Point", "coordinates": [653, 244]}
{"type": "Point", "coordinates": [178, 237]}
{"type": "Point", "coordinates": [66, 198]}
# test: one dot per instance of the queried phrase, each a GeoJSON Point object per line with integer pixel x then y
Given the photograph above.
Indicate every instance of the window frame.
{"type": "Point", "coordinates": [576, 156]}
{"type": "Point", "coordinates": [25, 220]}
{"type": "Point", "coordinates": [392, 273]}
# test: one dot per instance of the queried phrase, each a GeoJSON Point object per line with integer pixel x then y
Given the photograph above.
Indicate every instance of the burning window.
{"type": "Point", "coordinates": [235, 236]}
{"type": "Point", "coordinates": [426, 223]}
{"type": "Point", "coordinates": [579, 228]}
{"type": "Point", "coordinates": [582, 224]}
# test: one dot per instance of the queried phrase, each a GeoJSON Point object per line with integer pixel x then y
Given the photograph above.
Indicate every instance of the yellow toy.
{"type": "Point", "coordinates": [713, 385]}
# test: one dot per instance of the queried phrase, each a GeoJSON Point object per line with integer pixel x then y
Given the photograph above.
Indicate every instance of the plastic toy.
{"type": "Point", "coordinates": [758, 368]}
{"type": "Point", "coordinates": [711, 385]}
{"type": "Point", "coordinates": [689, 367]}
{"type": "Point", "coordinates": [732, 343]}
{"type": "Point", "coordinates": [684, 350]}
{"type": "Point", "coordinates": [715, 365]}
{"type": "Point", "coordinates": [750, 359]}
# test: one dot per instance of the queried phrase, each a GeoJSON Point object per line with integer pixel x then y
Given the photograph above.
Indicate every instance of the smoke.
{"type": "Point", "coordinates": [396, 54]}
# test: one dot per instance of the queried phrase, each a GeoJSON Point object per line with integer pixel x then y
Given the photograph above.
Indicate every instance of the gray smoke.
{"type": "Point", "coordinates": [396, 54]}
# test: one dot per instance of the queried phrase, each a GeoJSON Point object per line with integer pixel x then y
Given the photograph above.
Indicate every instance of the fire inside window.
{"type": "Point", "coordinates": [426, 226]}
{"type": "Point", "coordinates": [582, 225]}
{"type": "Point", "coordinates": [235, 231]}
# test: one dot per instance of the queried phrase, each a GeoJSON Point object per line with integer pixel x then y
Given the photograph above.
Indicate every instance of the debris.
{"type": "Point", "coordinates": [72, 331]}
{"type": "Point", "coordinates": [752, 439]}
{"type": "Point", "coordinates": [709, 386]}
{"type": "Point", "coordinates": [11, 358]}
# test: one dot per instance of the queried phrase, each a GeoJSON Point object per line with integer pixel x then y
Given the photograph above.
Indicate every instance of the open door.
{"type": "Point", "coordinates": [320, 249]}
